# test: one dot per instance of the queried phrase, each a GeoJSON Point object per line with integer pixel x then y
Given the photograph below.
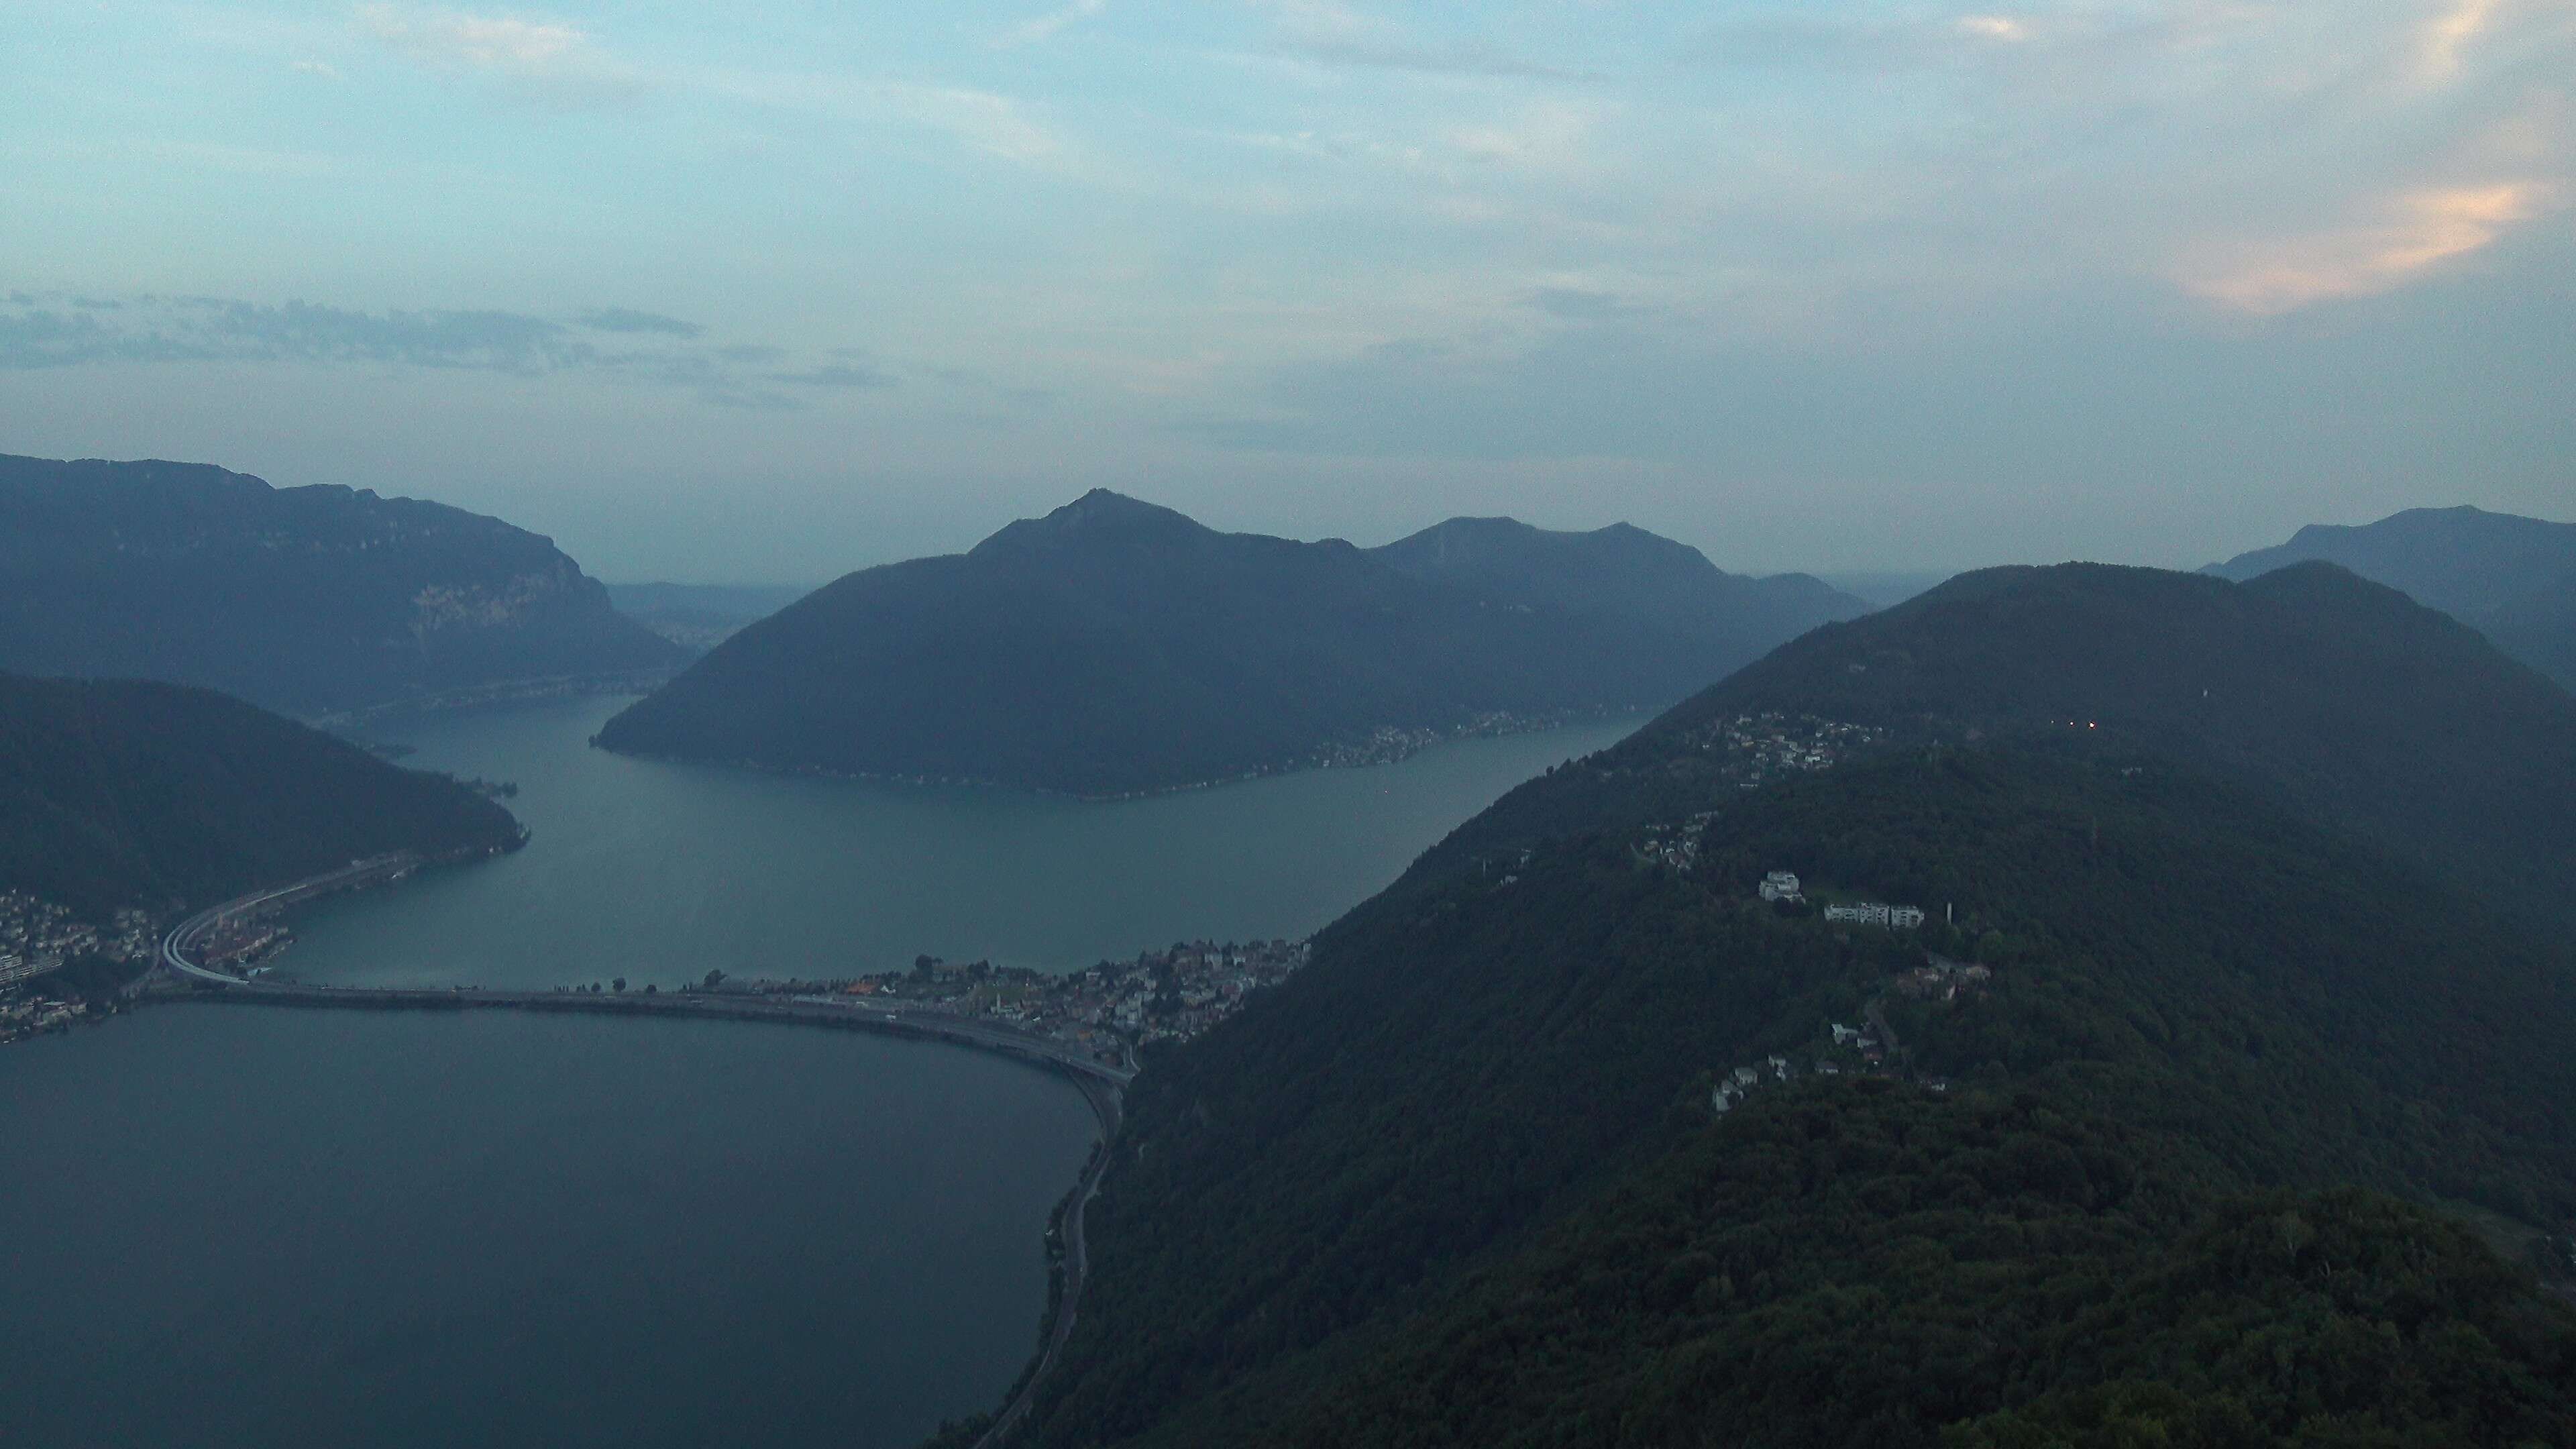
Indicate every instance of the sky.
{"type": "Point", "coordinates": [768, 291]}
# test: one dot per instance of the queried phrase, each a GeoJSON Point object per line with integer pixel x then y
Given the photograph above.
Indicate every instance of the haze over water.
{"type": "Point", "coordinates": [658, 872]}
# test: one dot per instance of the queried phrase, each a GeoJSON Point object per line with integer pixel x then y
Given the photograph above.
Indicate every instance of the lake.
{"type": "Point", "coordinates": [227, 1225]}
{"type": "Point", "coordinates": [658, 872]}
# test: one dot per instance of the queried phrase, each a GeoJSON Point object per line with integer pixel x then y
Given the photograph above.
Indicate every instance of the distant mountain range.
{"type": "Point", "coordinates": [1116, 646]}
{"type": "Point", "coordinates": [2512, 578]}
{"type": "Point", "coordinates": [698, 617]}
{"type": "Point", "coordinates": [2162, 1168]}
{"type": "Point", "coordinates": [303, 600]}
{"type": "Point", "coordinates": [125, 793]}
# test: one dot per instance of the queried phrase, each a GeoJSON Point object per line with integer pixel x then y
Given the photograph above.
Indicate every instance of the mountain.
{"type": "Point", "coordinates": [124, 793]}
{"type": "Point", "coordinates": [1458, 1181]}
{"type": "Point", "coordinates": [698, 617]}
{"type": "Point", "coordinates": [2512, 577]}
{"type": "Point", "coordinates": [303, 600]}
{"type": "Point", "coordinates": [2248, 1126]}
{"type": "Point", "coordinates": [2354, 702]}
{"type": "Point", "coordinates": [1115, 646]}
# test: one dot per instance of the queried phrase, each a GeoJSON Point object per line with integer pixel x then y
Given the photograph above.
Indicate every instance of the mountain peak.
{"type": "Point", "coordinates": [1099, 517]}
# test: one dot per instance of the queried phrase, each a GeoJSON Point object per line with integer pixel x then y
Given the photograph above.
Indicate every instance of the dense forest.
{"type": "Point", "coordinates": [122, 793]}
{"type": "Point", "coordinates": [2343, 697]}
{"type": "Point", "coordinates": [1462, 1179]}
{"type": "Point", "coordinates": [1114, 646]}
{"type": "Point", "coordinates": [301, 600]}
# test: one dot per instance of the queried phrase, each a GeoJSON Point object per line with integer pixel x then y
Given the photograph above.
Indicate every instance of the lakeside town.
{"type": "Point", "coordinates": [39, 941]}
{"type": "Point", "coordinates": [1108, 1012]}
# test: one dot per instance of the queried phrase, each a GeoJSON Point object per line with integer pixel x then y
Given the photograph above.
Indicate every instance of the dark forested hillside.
{"type": "Point", "coordinates": [1459, 1182]}
{"type": "Point", "coordinates": [2355, 703]}
{"type": "Point", "coordinates": [2227, 999]}
{"type": "Point", "coordinates": [2512, 578]}
{"type": "Point", "coordinates": [1115, 646]}
{"type": "Point", "coordinates": [303, 600]}
{"type": "Point", "coordinates": [123, 793]}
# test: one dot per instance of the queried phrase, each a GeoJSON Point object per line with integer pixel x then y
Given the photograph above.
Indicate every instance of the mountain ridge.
{"type": "Point", "coordinates": [304, 600]}
{"type": "Point", "coordinates": [2509, 576]}
{"type": "Point", "coordinates": [1113, 646]}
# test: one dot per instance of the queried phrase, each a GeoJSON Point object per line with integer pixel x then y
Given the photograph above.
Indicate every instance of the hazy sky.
{"type": "Point", "coordinates": [772, 290]}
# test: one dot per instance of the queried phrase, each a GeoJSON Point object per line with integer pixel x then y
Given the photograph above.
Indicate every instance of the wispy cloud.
{"type": "Point", "coordinates": [2420, 231]}
{"type": "Point", "coordinates": [46, 332]}
{"type": "Point", "coordinates": [1048, 26]}
{"type": "Point", "coordinates": [553, 62]}
{"type": "Point", "coordinates": [2447, 37]}
{"type": "Point", "coordinates": [994, 124]}
{"type": "Point", "coordinates": [627, 319]}
{"type": "Point", "coordinates": [1327, 32]}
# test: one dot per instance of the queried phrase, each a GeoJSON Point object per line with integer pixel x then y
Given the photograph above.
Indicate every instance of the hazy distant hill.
{"type": "Point", "coordinates": [120, 792]}
{"type": "Point", "coordinates": [2512, 577]}
{"type": "Point", "coordinates": [1461, 1181]}
{"type": "Point", "coordinates": [2354, 701]}
{"type": "Point", "coordinates": [305, 600]}
{"type": "Point", "coordinates": [1113, 646]}
{"type": "Point", "coordinates": [698, 617]}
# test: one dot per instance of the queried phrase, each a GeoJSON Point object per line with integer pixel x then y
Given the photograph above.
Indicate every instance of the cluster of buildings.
{"type": "Point", "coordinates": [1875, 913]}
{"type": "Point", "coordinates": [1756, 749]}
{"type": "Point", "coordinates": [1869, 1049]}
{"type": "Point", "coordinates": [1941, 979]}
{"type": "Point", "coordinates": [1675, 845]}
{"type": "Point", "coordinates": [1782, 886]}
{"type": "Point", "coordinates": [38, 938]}
{"type": "Point", "coordinates": [1107, 1011]}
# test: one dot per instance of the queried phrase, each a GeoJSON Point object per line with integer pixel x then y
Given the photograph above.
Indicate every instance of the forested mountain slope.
{"type": "Point", "coordinates": [123, 793]}
{"type": "Point", "coordinates": [2513, 578]}
{"type": "Point", "coordinates": [1115, 646]}
{"type": "Point", "coordinates": [2355, 703]}
{"type": "Point", "coordinates": [302, 600]}
{"type": "Point", "coordinates": [1458, 1181]}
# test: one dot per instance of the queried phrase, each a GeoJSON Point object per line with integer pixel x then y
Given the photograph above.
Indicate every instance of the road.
{"type": "Point", "coordinates": [1076, 1264]}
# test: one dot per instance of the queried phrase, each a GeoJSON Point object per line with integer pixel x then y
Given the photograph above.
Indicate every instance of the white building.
{"type": "Point", "coordinates": [1780, 885]}
{"type": "Point", "coordinates": [1876, 913]}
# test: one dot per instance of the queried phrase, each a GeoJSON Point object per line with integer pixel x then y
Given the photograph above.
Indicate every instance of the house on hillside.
{"type": "Point", "coordinates": [1780, 885]}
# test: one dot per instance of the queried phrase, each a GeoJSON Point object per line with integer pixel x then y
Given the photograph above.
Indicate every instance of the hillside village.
{"type": "Point", "coordinates": [1869, 1049]}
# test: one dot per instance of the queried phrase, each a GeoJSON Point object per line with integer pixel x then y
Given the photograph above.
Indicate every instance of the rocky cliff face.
{"type": "Point", "coordinates": [306, 600]}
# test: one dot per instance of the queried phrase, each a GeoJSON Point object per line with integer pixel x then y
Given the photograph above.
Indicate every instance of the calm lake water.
{"type": "Point", "coordinates": [657, 872]}
{"type": "Point", "coordinates": [228, 1225]}
{"type": "Point", "coordinates": [250, 1226]}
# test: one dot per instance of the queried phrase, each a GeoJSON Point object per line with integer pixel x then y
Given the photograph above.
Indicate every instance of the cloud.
{"type": "Point", "coordinates": [324, 69]}
{"type": "Point", "coordinates": [549, 61]}
{"type": "Point", "coordinates": [627, 319]}
{"type": "Point", "coordinates": [1993, 27]}
{"type": "Point", "coordinates": [2421, 230]}
{"type": "Point", "coordinates": [1325, 32]}
{"type": "Point", "coordinates": [982, 120]}
{"type": "Point", "coordinates": [2450, 33]}
{"type": "Point", "coordinates": [60, 332]}
{"type": "Point", "coordinates": [1048, 26]}
{"type": "Point", "coordinates": [835, 375]}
